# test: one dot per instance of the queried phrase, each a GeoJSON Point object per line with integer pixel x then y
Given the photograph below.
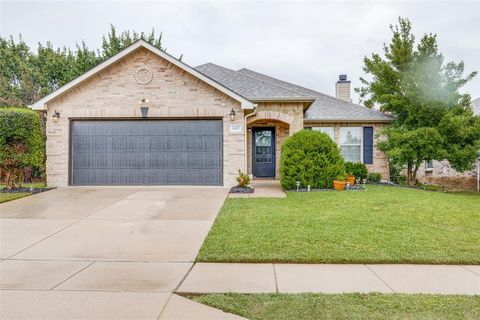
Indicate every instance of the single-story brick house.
{"type": "Point", "coordinates": [440, 173]}
{"type": "Point", "coordinates": [143, 117]}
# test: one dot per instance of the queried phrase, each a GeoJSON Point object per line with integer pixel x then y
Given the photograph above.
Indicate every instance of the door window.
{"type": "Point", "coordinates": [263, 146]}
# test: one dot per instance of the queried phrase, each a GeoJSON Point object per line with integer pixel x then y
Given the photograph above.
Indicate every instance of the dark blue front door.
{"type": "Point", "coordinates": [264, 152]}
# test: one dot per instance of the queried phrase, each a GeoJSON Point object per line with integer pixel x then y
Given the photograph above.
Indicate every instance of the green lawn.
{"type": "Point", "coordinates": [4, 197]}
{"type": "Point", "coordinates": [380, 225]}
{"type": "Point", "coordinates": [344, 306]}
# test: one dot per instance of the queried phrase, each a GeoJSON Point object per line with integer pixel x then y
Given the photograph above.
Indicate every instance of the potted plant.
{"type": "Point", "coordinates": [339, 183]}
{"type": "Point", "coordinates": [351, 178]}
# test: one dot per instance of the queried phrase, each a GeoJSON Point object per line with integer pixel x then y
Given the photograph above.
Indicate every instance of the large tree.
{"type": "Point", "coordinates": [433, 120]}
{"type": "Point", "coordinates": [26, 75]}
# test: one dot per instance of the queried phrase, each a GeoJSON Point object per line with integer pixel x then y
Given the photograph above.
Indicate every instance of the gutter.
{"type": "Point", "coordinates": [346, 120]}
{"type": "Point", "coordinates": [246, 136]}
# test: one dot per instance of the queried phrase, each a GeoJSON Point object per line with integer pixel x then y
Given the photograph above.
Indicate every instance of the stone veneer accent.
{"type": "Point", "coordinates": [380, 160]}
{"type": "Point", "coordinates": [115, 94]}
{"type": "Point", "coordinates": [442, 174]}
{"type": "Point", "coordinates": [286, 118]}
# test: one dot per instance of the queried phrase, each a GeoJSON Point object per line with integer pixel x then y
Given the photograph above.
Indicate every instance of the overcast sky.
{"type": "Point", "coordinates": [308, 43]}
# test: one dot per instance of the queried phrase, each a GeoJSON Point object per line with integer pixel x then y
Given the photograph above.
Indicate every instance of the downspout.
{"type": "Point", "coordinates": [246, 137]}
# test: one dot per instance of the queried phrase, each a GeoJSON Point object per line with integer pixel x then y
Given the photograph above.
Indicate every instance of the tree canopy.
{"type": "Point", "coordinates": [433, 120]}
{"type": "Point", "coordinates": [26, 76]}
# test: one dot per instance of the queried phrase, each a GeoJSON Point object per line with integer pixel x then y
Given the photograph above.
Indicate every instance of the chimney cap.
{"type": "Point", "coordinates": [342, 77]}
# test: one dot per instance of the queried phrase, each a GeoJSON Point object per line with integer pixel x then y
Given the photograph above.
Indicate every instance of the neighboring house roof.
{"type": "Point", "coordinates": [256, 86]}
{"type": "Point", "coordinates": [41, 104]}
{"type": "Point", "coordinates": [476, 106]}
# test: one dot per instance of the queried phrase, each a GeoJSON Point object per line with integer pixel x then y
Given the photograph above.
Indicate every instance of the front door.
{"type": "Point", "coordinates": [264, 152]}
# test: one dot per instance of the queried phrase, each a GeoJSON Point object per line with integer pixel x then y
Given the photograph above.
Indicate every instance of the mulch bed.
{"type": "Point", "coordinates": [25, 190]}
{"type": "Point", "coordinates": [242, 190]}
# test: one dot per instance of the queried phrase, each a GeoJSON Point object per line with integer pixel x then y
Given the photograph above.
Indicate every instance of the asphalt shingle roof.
{"type": "Point", "coordinates": [257, 86]}
{"type": "Point", "coordinates": [252, 89]}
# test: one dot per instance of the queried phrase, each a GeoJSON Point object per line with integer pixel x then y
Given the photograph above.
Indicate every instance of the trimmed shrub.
{"type": "Point", "coordinates": [356, 169]}
{"type": "Point", "coordinates": [22, 142]}
{"type": "Point", "coordinates": [374, 177]}
{"type": "Point", "coordinates": [312, 158]}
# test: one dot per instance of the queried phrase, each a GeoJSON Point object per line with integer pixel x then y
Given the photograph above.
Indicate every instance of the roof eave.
{"type": "Point", "coordinates": [307, 101]}
{"type": "Point", "coordinates": [349, 120]}
{"type": "Point", "coordinates": [42, 103]}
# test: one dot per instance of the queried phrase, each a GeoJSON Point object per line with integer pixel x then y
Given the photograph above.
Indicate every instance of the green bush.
{"type": "Point", "coordinates": [22, 142]}
{"type": "Point", "coordinates": [312, 158]}
{"type": "Point", "coordinates": [374, 177]}
{"type": "Point", "coordinates": [396, 174]}
{"type": "Point", "coordinates": [356, 169]}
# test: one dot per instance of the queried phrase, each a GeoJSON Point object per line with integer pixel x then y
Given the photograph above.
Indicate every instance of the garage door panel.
{"type": "Point", "coordinates": [127, 143]}
{"type": "Point", "coordinates": [88, 160]}
{"type": "Point", "coordinates": [128, 160]}
{"type": "Point", "coordinates": [155, 152]}
{"type": "Point", "coordinates": [155, 143]}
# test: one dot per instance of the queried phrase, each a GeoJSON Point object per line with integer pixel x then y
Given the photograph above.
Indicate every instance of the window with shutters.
{"type": "Point", "coordinates": [351, 143]}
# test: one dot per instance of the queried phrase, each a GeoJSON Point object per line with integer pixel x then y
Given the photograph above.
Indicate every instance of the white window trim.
{"type": "Point", "coordinates": [352, 145]}
{"type": "Point", "coordinates": [427, 168]}
{"type": "Point", "coordinates": [322, 127]}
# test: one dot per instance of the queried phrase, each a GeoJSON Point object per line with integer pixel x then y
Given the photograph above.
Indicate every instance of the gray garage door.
{"type": "Point", "coordinates": [146, 152]}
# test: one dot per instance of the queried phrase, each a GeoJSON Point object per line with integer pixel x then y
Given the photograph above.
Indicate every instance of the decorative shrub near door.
{"type": "Point", "coordinates": [312, 158]}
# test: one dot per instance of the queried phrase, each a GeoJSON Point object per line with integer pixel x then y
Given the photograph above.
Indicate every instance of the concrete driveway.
{"type": "Point", "coordinates": [103, 253]}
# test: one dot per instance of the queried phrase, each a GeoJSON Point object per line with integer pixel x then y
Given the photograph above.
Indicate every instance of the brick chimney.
{"type": "Point", "coordinates": [342, 88]}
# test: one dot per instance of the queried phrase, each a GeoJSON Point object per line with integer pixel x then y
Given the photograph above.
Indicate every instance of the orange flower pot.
{"type": "Point", "coordinates": [351, 180]}
{"type": "Point", "coordinates": [339, 185]}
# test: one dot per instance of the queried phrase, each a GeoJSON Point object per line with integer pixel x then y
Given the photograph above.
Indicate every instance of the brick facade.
{"type": "Point", "coordinates": [380, 160]}
{"type": "Point", "coordinates": [442, 174]}
{"type": "Point", "coordinates": [172, 93]}
{"type": "Point", "coordinates": [114, 93]}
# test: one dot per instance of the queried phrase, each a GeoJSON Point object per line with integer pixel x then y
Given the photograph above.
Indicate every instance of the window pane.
{"type": "Point", "coordinates": [328, 130]}
{"type": "Point", "coordinates": [350, 135]}
{"type": "Point", "coordinates": [263, 138]}
{"type": "Point", "coordinates": [351, 153]}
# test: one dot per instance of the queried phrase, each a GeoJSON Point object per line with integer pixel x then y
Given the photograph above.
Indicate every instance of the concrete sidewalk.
{"type": "Point", "coordinates": [331, 278]}
{"type": "Point", "coordinates": [104, 252]}
{"type": "Point", "coordinates": [263, 189]}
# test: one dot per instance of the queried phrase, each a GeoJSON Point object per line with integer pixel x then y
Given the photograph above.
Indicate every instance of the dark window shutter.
{"type": "Point", "coordinates": [368, 145]}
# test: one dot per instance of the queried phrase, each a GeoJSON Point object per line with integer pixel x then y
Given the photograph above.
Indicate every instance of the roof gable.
{"type": "Point", "coordinates": [41, 104]}
{"type": "Point", "coordinates": [325, 107]}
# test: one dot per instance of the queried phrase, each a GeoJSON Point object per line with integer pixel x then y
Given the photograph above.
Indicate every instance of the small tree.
{"type": "Point", "coordinates": [433, 121]}
{"type": "Point", "coordinates": [21, 142]}
{"type": "Point", "coordinates": [312, 158]}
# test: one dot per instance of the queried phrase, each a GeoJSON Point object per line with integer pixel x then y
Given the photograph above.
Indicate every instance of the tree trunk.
{"type": "Point", "coordinates": [20, 177]}
{"type": "Point", "coordinates": [10, 179]}
{"type": "Point", "coordinates": [410, 178]}
{"type": "Point", "coordinates": [414, 174]}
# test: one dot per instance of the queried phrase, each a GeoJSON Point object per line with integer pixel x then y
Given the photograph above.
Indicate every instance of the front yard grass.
{"type": "Point", "coordinates": [4, 197]}
{"type": "Point", "coordinates": [380, 225]}
{"type": "Point", "coordinates": [344, 306]}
